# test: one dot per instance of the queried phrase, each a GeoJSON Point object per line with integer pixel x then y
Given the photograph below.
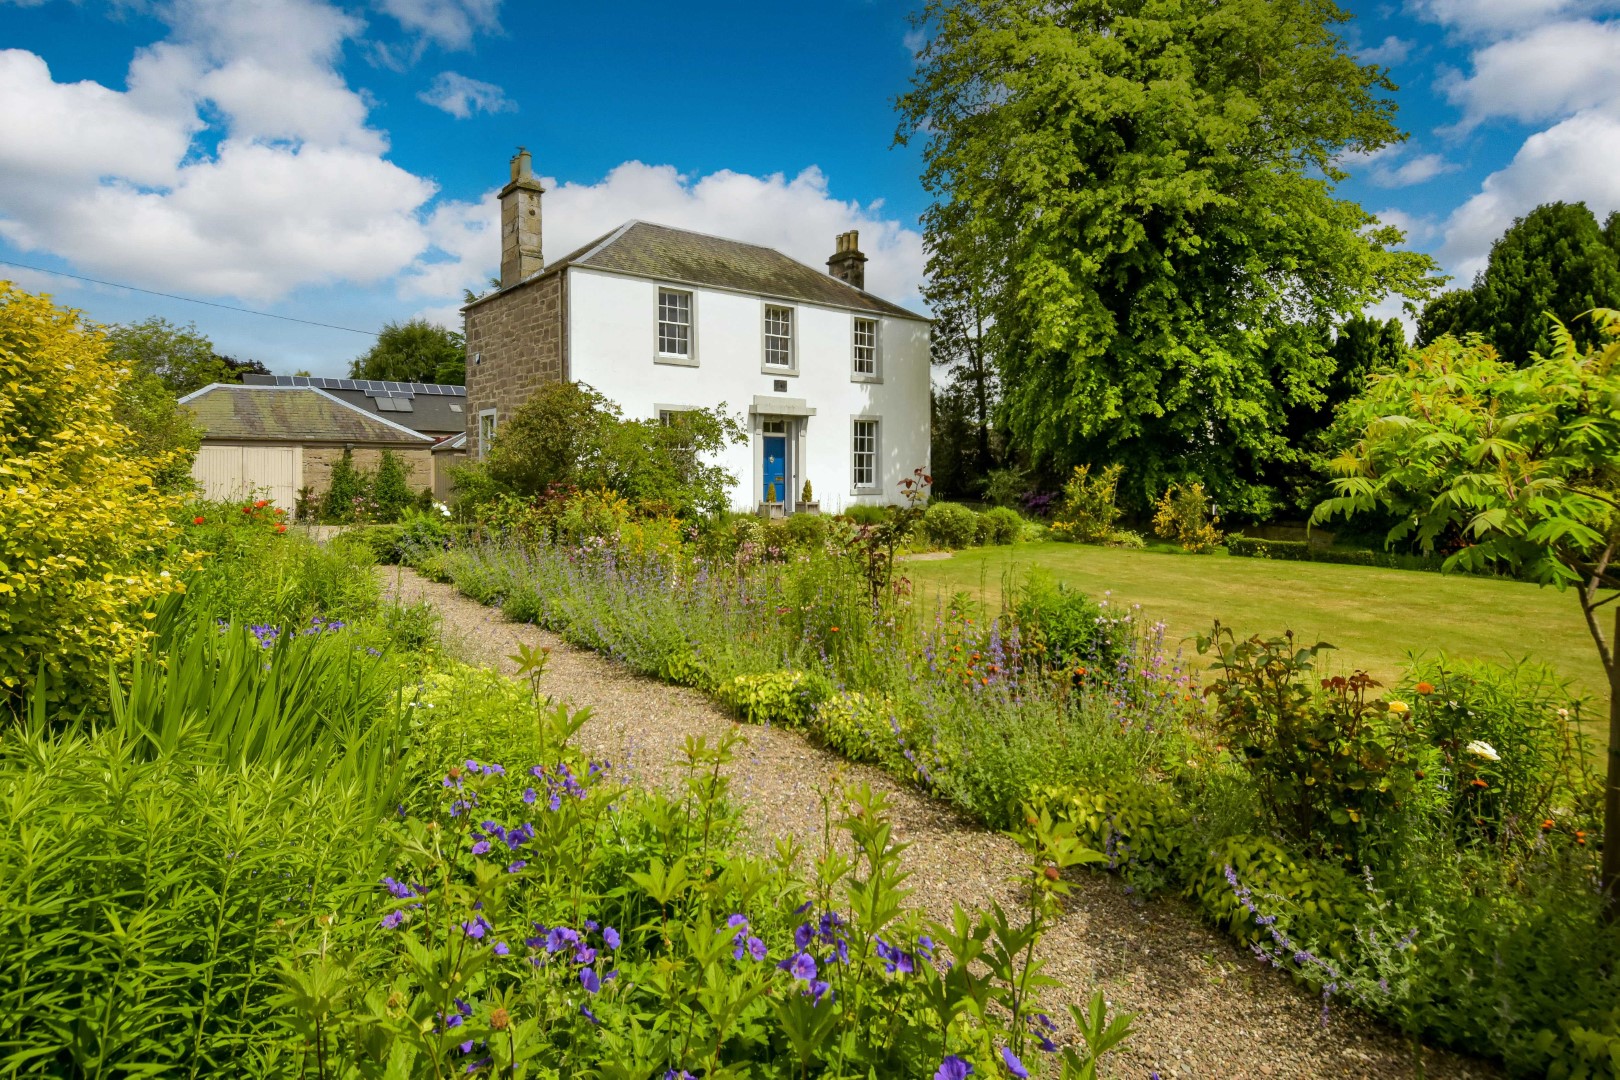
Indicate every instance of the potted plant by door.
{"type": "Point", "coordinates": [807, 502]}
{"type": "Point", "coordinates": [772, 506]}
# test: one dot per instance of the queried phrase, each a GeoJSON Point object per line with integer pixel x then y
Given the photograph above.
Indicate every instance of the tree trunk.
{"type": "Point", "coordinates": [1611, 795]}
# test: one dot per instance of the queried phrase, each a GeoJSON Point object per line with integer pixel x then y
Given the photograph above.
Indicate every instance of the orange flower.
{"type": "Point", "coordinates": [986, 682]}
{"type": "Point", "coordinates": [1425, 687]}
{"type": "Point", "coordinates": [198, 520]}
{"type": "Point", "coordinates": [281, 528]}
{"type": "Point", "coordinates": [1580, 836]}
{"type": "Point", "coordinates": [1477, 782]}
{"type": "Point", "coordinates": [261, 504]}
{"type": "Point", "coordinates": [1546, 826]}
{"type": "Point", "coordinates": [247, 509]}
{"type": "Point", "coordinates": [835, 629]}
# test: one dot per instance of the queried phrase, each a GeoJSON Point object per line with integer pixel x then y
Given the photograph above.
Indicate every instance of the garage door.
{"type": "Point", "coordinates": [259, 472]}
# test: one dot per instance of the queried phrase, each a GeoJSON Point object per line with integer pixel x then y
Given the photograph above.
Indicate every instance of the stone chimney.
{"type": "Point", "coordinates": [520, 223]}
{"type": "Point", "coordinates": [847, 263]}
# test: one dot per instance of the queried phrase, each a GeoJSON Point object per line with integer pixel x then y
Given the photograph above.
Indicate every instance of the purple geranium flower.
{"type": "Point", "coordinates": [1014, 1066]}
{"type": "Point", "coordinates": [611, 936]}
{"type": "Point", "coordinates": [590, 980]}
{"type": "Point", "coordinates": [392, 920]}
{"type": "Point", "coordinates": [953, 1068]}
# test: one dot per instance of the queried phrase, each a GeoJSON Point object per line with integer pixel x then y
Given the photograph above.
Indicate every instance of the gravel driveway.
{"type": "Point", "coordinates": [1204, 1007]}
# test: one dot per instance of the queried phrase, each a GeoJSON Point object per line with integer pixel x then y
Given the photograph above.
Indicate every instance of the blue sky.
{"type": "Point", "coordinates": [337, 162]}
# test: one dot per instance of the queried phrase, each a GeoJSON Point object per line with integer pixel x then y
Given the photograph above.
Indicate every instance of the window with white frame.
{"type": "Point", "coordinates": [865, 347]}
{"type": "Point", "coordinates": [863, 454]}
{"type": "Point", "coordinates": [778, 336]}
{"type": "Point", "coordinates": [486, 431]}
{"type": "Point", "coordinates": [675, 323]}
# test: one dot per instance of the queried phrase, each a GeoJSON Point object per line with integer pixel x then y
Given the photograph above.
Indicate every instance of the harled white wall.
{"type": "Point", "coordinates": [612, 347]}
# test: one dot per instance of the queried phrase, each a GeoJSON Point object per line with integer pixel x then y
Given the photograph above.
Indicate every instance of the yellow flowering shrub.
{"type": "Point", "coordinates": [83, 531]}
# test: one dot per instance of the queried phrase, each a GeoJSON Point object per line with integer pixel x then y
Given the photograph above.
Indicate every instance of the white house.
{"type": "Point", "coordinates": [833, 381]}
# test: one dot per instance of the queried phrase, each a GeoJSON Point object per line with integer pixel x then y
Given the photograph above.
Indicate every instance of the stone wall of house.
{"type": "Point", "coordinates": [318, 462]}
{"type": "Point", "coordinates": [519, 336]}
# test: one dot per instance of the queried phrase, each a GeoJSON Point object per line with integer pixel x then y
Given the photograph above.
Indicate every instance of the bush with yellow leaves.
{"type": "Point", "coordinates": [84, 534]}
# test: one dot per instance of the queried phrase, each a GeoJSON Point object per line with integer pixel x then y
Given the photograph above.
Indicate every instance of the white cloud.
{"type": "Point", "coordinates": [1494, 18]}
{"type": "Point", "coordinates": [461, 97]}
{"type": "Point", "coordinates": [1577, 159]}
{"type": "Point", "coordinates": [1549, 72]}
{"type": "Point", "coordinates": [1417, 170]}
{"type": "Point", "coordinates": [448, 23]}
{"type": "Point", "coordinates": [294, 191]}
{"type": "Point", "coordinates": [1419, 228]}
{"type": "Point", "coordinates": [798, 216]}
{"type": "Point", "coordinates": [1389, 52]}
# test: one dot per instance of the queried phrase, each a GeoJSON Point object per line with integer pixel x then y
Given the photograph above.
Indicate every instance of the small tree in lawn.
{"type": "Point", "coordinates": [1522, 464]}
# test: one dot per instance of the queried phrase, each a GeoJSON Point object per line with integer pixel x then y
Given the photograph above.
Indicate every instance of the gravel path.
{"type": "Point", "coordinates": [1204, 1008]}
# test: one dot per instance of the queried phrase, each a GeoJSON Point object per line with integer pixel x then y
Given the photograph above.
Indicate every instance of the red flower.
{"type": "Point", "coordinates": [261, 504]}
{"type": "Point", "coordinates": [198, 520]}
{"type": "Point", "coordinates": [247, 509]}
{"type": "Point", "coordinates": [281, 528]}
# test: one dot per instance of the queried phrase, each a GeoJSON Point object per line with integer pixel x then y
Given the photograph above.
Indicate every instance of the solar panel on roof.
{"type": "Point", "coordinates": [283, 380]}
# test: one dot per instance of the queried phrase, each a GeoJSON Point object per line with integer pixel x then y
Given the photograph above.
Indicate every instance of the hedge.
{"type": "Point", "coordinates": [1301, 551]}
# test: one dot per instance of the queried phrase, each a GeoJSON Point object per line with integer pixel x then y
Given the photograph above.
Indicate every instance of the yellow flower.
{"type": "Point", "coordinates": [1399, 707]}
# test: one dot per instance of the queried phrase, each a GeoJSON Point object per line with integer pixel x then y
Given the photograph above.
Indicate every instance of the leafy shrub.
{"type": "Point", "coordinates": [1138, 826]}
{"type": "Point", "coordinates": [1086, 511]}
{"type": "Point", "coordinates": [786, 698]}
{"type": "Point", "coordinates": [1304, 551]}
{"type": "Point", "coordinates": [255, 573]}
{"type": "Point", "coordinates": [1182, 514]}
{"type": "Point", "coordinates": [1504, 735]}
{"type": "Point", "coordinates": [382, 541]}
{"type": "Point", "coordinates": [867, 514]}
{"type": "Point", "coordinates": [85, 535]}
{"type": "Point", "coordinates": [1000, 525]}
{"type": "Point", "coordinates": [1312, 901]}
{"type": "Point", "coordinates": [346, 491]}
{"type": "Point", "coordinates": [950, 525]}
{"type": "Point", "coordinates": [390, 493]}
{"type": "Point", "coordinates": [1328, 764]}
{"type": "Point", "coordinates": [568, 434]}
{"type": "Point", "coordinates": [1124, 538]}
{"type": "Point", "coordinates": [1064, 626]}
{"type": "Point", "coordinates": [807, 530]}
{"type": "Point", "coordinates": [1006, 487]}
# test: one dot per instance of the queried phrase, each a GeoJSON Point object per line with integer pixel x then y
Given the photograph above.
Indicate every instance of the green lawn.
{"type": "Point", "coordinates": [1375, 617]}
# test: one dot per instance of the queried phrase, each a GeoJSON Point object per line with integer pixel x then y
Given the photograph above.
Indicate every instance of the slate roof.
{"type": "Point", "coordinates": [643, 249]}
{"type": "Point", "coordinates": [432, 408]}
{"type": "Point", "coordinates": [290, 414]}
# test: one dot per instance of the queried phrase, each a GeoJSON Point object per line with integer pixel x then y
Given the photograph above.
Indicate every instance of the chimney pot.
{"type": "Point", "coordinates": [847, 263]}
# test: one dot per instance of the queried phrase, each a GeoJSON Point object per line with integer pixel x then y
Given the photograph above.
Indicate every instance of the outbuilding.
{"type": "Point", "coordinates": [271, 442]}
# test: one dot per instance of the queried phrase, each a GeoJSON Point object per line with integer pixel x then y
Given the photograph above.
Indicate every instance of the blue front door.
{"type": "Point", "coordinates": [775, 468]}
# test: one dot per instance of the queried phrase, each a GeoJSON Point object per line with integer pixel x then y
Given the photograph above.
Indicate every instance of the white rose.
{"type": "Point", "coordinates": [1484, 750]}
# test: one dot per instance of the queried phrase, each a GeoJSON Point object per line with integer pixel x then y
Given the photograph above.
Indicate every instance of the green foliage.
{"type": "Point", "coordinates": [785, 698]}
{"type": "Point", "coordinates": [1329, 764]}
{"type": "Point", "coordinates": [1250, 547]}
{"type": "Point", "coordinates": [84, 533]}
{"type": "Point", "coordinates": [346, 491]}
{"type": "Point", "coordinates": [568, 435]}
{"type": "Point", "coordinates": [1006, 487]}
{"type": "Point", "coordinates": [1087, 509]}
{"type": "Point", "coordinates": [390, 494]}
{"type": "Point", "coordinates": [808, 530]}
{"type": "Point", "coordinates": [161, 430]}
{"type": "Point", "coordinates": [1446, 445]}
{"type": "Point", "coordinates": [1000, 525]}
{"type": "Point", "coordinates": [1146, 247]}
{"type": "Point", "coordinates": [950, 525]}
{"type": "Point", "coordinates": [866, 514]}
{"type": "Point", "coordinates": [1556, 261]}
{"type": "Point", "coordinates": [1311, 900]}
{"type": "Point", "coordinates": [182, 358]}
{"type": "Point", "coordinates": [414, 351]}
{"type": "Point", "coordinates": [1183, 515]}
{"type": "Point", "coordinates": [1064, 626]}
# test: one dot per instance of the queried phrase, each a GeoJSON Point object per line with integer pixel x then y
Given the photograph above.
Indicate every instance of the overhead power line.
{"type": "Point", "coordinates": [187, 299]}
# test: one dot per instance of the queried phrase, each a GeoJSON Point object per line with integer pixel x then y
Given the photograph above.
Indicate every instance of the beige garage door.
{"type": "Point", "coordinates": [259, 472]}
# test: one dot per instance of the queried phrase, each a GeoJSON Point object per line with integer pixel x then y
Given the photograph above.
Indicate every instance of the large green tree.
{"type": "Point", "coordinates": [1556, 260]}
{"type": "Point", "coordinates": [1152, 184]}
{"type": "Point", "coordinates": [414, 351]}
